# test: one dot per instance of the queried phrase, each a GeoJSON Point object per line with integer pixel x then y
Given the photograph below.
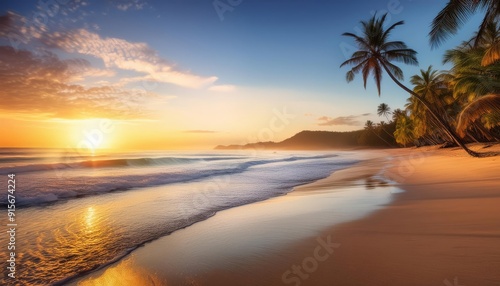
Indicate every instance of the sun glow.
{"type": "Point", "coordinates": [90, 135]}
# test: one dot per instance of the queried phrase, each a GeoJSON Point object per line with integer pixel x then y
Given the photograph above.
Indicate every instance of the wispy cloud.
{"type": "Point", "coordinates": [350, 120]}
{"type": "Point", "coordinates": [222, 88]}
{"type": "Point", "coordinates": [125, 5]}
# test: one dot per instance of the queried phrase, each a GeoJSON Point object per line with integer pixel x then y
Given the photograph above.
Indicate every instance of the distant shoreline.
{"type": "Point", "coordinates": [323, 140]}
{"type": "Point", "coordinates": [317, 140]}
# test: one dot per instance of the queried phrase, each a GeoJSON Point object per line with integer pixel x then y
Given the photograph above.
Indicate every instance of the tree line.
{"type": "Point", "coordinates": [457, 106]}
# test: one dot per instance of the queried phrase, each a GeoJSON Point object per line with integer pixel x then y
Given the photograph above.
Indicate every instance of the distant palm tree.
{"type": "Point", "coordinates": [369, 125]}
{"type": "Point", "coordinates": [396, 113]}
{"type": "Point", "coordinates": [384, 109]}
{"type": "Point", "coordinates": [376, 54]}
{"type": "Point", "coordinates": [456, 13]}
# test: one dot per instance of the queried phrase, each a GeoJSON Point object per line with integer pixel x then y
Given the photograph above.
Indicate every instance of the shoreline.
{"type": "Point", "coordinates": [393, 245]}
{"type": "Point", "coordinates": [302, 205]}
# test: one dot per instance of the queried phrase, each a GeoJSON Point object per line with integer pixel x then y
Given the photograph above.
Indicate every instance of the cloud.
{"type": "Point", "coordinates": [40, 84]}
{"type": "Point", "coordinates": [222, 88]}
{"type": "Point", "coordinates": [114, 52]}
{"type": "Point", "coordinates": [200, 131]}
{"type": "Point", "coordinates": [18, 30]}
{"type": "Point", "coordinates": [350, 120]}
{"type": "Point", "coordinates": [125, 5]}
{"type": "Point", "coordinates": [119, 53]}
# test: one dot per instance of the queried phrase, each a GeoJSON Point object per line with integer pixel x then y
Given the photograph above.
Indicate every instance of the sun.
{"type": "Point", "coordinates": [90, 135]}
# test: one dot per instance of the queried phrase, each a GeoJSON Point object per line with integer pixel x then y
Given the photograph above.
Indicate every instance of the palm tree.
{"type": "Point", "coordinates": [369, 125]}
{"type": "Point", "coordinates": [404, 130]}
{"type": "Point", "coordinates": [396, 113]}
{"type": "Point", "coordinates": [383, 109]}
{"type": "Point", "coordinates": [431, 85]}
{"type": "Point", "coordinates": [456, 13]}
{"type": "Point", "coordinates": [377, 53]}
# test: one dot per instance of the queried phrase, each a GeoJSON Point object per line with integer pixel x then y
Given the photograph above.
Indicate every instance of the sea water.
{"type": "Point", "coordinates": [78, 213]}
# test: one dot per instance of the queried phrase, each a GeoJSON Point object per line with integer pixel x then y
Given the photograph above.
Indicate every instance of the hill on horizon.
{"type": "Point", "coordinates": [320, 140]}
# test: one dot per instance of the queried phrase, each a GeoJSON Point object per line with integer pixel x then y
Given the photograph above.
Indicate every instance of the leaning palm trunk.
{"type": "Point", "coordinates": [446, 127]}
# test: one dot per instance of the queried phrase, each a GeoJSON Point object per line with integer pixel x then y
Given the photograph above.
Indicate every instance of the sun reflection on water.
{"type": "Point", "coordinates": [90, 218]}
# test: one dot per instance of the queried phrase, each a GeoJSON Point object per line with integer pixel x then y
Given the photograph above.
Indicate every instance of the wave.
{"type": "Point", "coordinates": [82, 186]}
{"type": "Point", "coordinates": [107, 163]}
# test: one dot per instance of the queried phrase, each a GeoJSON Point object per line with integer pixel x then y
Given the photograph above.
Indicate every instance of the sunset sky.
{"type": "Point", "coordinates": [191, 74]}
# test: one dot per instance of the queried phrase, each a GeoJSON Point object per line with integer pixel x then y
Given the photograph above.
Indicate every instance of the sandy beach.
{"type": "Point", "coordinates": [442, 230]}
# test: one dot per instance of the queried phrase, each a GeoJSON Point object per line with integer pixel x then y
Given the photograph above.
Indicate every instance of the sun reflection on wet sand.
{"type": "Point", "coordinates": [125, 273]}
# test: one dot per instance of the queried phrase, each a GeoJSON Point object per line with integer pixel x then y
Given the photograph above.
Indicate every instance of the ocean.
{"type": "Point", "coordinates": [79, 213]}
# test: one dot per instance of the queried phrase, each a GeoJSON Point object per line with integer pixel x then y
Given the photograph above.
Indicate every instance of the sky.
{"type": "Point", "coordinates": [191, 74]}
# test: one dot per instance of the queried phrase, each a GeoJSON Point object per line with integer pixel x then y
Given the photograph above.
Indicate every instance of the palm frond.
{"type": "Point", "coordinates": [349, 76]}
{"type": "Point", "coordinates": [393, 45]}
{"type": "Point", "coordinates": [476, 109]}
{"type": "Point", "coordinates": [407, 56]}
{"type": "Point", "coordinates": [389, 30]}
{"type": "Point", "coordinates": [449, 19]}
{"type": "Point", "coordinates": [492, 54]}
{"type": "Point", "coordinates": [354, 60]}
{"type": "Point", "coordinates": [361, 42]}
{"type": "Point", "coordinates": [483, 27]}
{"type": "Point", "coordinates": [377, 73]}
{"type": "Point", "coordinates": [396, 71]}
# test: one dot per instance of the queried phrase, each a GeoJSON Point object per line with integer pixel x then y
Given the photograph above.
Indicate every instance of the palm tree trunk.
{"type": "Point", "coordinates": [446, 127]}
